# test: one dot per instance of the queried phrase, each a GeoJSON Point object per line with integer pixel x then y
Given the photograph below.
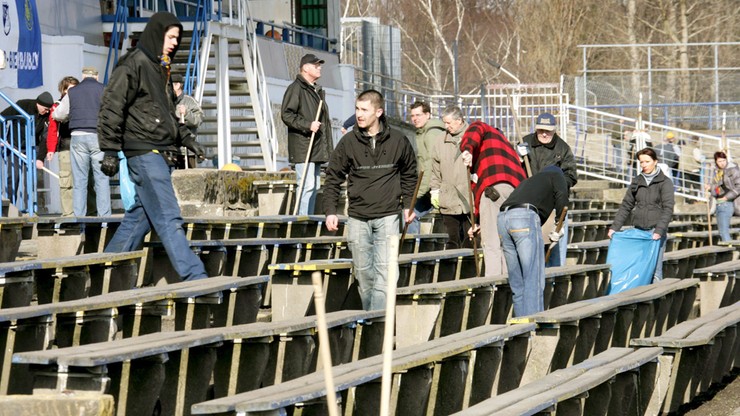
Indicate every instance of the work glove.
{"type": "Point", "coordinates": [194, 147]}
{"type": "Point", "coordinates": [109, 164]}
{"type": "Point", "coordinates": [467, 158]}
{"type": "Point", "coordinates": [555, 235]}
{"type": "Point", "coordinates": [522, 149]}
{"type": "Point", "coordinates": [434, 194]}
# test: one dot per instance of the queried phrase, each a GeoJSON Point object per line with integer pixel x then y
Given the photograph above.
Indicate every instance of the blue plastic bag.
{"type": "Point", "coordinates": [126, 185]}
{"type": "Point", "coordinates": [633, 255]}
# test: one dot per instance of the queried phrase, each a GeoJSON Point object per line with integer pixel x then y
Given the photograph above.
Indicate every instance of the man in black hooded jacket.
{"type": "Point", "coordinates": [137, 117]}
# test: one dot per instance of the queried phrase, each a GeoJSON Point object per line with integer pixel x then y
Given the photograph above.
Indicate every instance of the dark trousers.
{"type": "Point", "coordinates": [156, 206]}
{"type": "Point", "coordinates": [457, 226]}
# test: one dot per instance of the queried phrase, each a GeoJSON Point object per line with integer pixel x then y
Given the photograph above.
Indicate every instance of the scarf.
{"type": "Point", "coordinates": [650, 176]}
{"type": "Point", "coordinates": [166, 63]}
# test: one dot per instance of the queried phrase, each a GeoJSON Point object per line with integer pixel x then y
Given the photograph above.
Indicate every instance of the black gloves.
{"type": "Point", "coordinates": [194, 147]}
{"type": "Point", "coordinates": [109, 164]}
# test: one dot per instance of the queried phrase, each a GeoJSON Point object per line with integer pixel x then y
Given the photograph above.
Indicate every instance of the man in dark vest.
{"type": "Point", "coordinates": [81, 106]}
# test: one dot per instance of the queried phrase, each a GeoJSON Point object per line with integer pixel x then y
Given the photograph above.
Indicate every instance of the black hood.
{"type": "Point", "coordinates": [152, 38]}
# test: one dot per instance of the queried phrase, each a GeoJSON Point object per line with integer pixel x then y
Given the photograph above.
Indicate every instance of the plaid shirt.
{"type": "Point", "coordinates": [494, 158]}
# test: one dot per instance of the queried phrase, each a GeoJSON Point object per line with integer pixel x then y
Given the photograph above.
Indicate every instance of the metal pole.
{"type": "Point", "coordinates": [390, 310]}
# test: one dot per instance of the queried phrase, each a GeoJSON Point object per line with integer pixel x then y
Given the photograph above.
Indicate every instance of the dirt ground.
{"type": "Point", "coordinates": [722, 401]}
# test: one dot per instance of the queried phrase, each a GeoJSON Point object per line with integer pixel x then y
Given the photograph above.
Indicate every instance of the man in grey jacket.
{"type": "Point", "coordinates": [300, 104]}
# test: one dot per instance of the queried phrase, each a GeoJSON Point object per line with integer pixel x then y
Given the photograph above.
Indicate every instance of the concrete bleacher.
{"type": "Point", "coordinates": [200, 350]}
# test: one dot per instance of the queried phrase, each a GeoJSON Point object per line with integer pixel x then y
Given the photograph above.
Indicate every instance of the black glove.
{"type": "Point", "coordinates": [109, 165]}
{"type": "Point", "coordinates": [194, 147]}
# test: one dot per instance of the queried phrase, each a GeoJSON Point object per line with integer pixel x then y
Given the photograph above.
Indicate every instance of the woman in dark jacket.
{"type": "Point", "coordinates": [725, 187]}
{"type": "Point", "coordinates": [650, 201]}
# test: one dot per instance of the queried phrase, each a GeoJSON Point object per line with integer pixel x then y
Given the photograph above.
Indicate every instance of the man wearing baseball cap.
{"type": "Point", "coordinates": [38, 108]}
{"type": "Point", "coordinates": [299, 113]}
{"type": "Point", "coordinates": [545, 148]}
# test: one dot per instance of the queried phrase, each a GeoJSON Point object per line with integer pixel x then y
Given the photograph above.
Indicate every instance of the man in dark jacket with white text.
{"type": "Point", "coordinates": [379, 165]}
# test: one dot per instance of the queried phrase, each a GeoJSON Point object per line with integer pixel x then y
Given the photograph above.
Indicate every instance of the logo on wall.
{"type": "Point", "coordinates": [6, 18]}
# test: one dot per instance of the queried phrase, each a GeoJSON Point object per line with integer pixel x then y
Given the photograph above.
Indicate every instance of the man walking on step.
{"type": "Point", "coordinates": [300, 105]}
{"type": "Point", "coordinates": [137, 116]}
{"type": "Point", "coordinates": [379, 165]}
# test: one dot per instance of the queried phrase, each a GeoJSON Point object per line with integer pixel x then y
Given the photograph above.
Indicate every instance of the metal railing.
{"type": "Point", "coordinates": [257, 81]}
{"type": "Point", "coordinates": [18, 159]}
{"type": "Point", "coordinates": [293, 35]}
{"type": "Point", "coordinates": [195, 68]}
{"type": "Point", "coordinates": [604, 146]}
{"type": "Point", "coordinates": [203, 13]}
{"type": "Point", "coordinates": [118, 39]}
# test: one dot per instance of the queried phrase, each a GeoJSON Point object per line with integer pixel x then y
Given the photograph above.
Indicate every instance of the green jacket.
{"type": "Point", "coordinates": [427, 137]}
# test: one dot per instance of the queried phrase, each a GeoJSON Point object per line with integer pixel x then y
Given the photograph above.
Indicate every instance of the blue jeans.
{"type": "Point", "coordinates": [423, 207]}
{"type": "Point", "coordinates": [367, 239]}
{"type": "Point", "coordinates": [85, 155]}
{"type": "Point", "coordinates": [520, 231]}
{"type": "Point", "coordinates": [724, 215]}
{"type": "Point", "coordinates": [310, 188]}
{"type": "Point", "coordinates": [155, 206]}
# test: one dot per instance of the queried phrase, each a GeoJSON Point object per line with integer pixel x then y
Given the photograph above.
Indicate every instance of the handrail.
{"type": "Point", "coordinates": [194, 70]}
{"type": "Point", "coordinates": [118, 37]}
{"type": "Point", "coordinates": [292, 35]}
{"type": "Point", "coordinates": [260, 96]}
{"type": "Point", "coordinates": [22, 155]}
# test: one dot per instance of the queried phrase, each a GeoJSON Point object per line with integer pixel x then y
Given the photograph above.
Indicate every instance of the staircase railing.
{"type": "Point", "coordinates": [604, 147]}
{"type": "Point", "coordinates": [118, 37]}
{"type": "Point", "coordinates": [195, 70]}
{"type": "Point", "coordinates": [18, 159]}
{"type": "Point", "coordinates": [258, 89]}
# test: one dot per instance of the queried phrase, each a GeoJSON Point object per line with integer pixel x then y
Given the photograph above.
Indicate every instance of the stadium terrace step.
{"type": "Point", "coordinates": [67, 278]}
{"type": "Point", "coordinates": [69, 236]}
{"type": "Point", "coordinates": [13, 230]}
{"type": "Point", "coordinates": [591, 204]}
{"type": "Point", "coordinates": [292, 293]}
{"type": "Point", "coordinates": [697, 354]}
{"type": "Point", "coordinates": [616, 381]}
{"type": "Point", "coordinates": [598, 230]}
{"type": "Point", "coordinates": [432, 310]}
{"type": "Point", "coordinates": [682, 263]}
{"type": "Point", "coordinates": [571, 333]}
{"type": "Point", "coordinates": [719, 285]}
{"type": "Point", "coordinates": [694, 239]}
{"type": "Point", "coordinates": [177, 368]}
{"type": "Point", "coordinates": [582, 215]}
{"type": "Point", "coordinates": [436, 377]}
{"type": "Point", "coordinates": [213, 302]}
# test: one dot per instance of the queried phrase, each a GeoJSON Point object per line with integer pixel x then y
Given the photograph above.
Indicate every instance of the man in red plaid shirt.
{"type": "Point", "coordinates": [496, 170]}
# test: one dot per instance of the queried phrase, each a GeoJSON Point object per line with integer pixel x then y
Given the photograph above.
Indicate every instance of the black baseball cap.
{"type": "Point", "coordinates": [310, 58]}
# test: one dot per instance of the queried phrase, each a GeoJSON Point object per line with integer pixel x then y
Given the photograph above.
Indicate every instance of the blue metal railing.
{"type": "Point", "coordinates": [118, 37]}
{"type": "Point", "coordinates": [293, 35]}
{"type": "Point", "coordinates": [18, 159]}
{"type": "Point", "coordinates": [195, 67]}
